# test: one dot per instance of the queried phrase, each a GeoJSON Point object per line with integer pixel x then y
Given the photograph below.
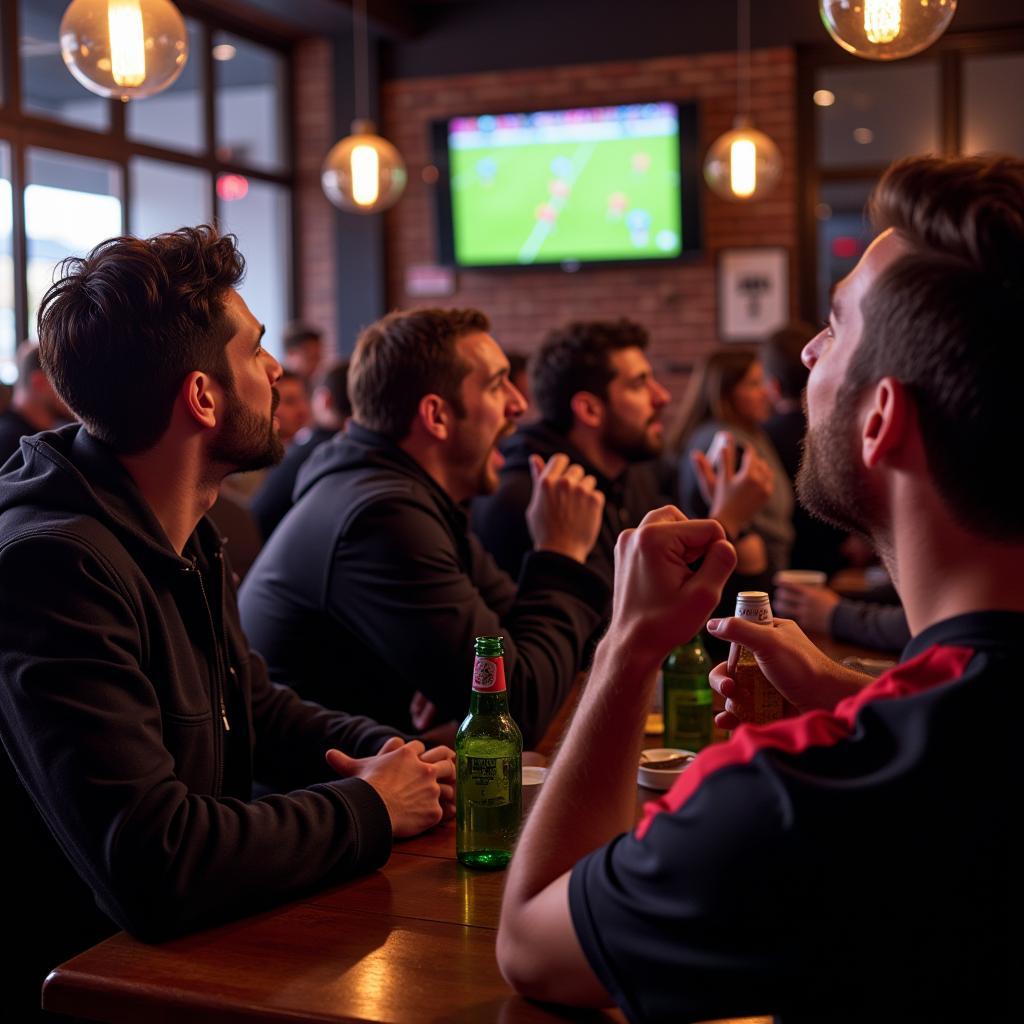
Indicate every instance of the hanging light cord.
{"type": "Point", "coordinates": [360, 52]}
{"type": "Point", "coordinates": [743, 56]}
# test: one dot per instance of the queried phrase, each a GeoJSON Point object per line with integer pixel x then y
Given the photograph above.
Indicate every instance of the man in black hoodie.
{"type": "Point", "coordinates": [133, 711]}
{"type": "Point", "coordinates": [370, 592]}
{"type": "Point", "coordinates": [599, 403]}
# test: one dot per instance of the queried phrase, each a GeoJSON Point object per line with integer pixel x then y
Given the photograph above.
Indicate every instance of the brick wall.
{"type": "Point", "coordinates": [677, 302]}
{"type": "Point", "coordinates": [313, 120]}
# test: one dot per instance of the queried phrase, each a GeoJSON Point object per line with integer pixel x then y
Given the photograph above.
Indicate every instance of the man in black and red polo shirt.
{"type": "Point", "coordinates": [851, 863]}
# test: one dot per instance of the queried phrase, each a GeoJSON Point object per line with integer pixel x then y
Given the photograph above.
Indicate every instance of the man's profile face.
{"type": "Point", "coordinates": [833, 482]}
{"type": "Point", "coordinates": [293, 410]}
{"type": "Point", "coordinates": [632, 428]}
{"type": "Point", "coordinates": [492, 405]}
{"type": "Point", "coordinates": [305, 358]}
{"type": "Point", "coordinates": [247, 438]}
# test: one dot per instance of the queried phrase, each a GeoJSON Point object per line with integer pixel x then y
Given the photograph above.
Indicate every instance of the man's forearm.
{"type": "Point", "coordinates": [590, 794]}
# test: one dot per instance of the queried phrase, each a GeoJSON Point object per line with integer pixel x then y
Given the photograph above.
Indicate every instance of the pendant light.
{"type": "Point", "coordinates": [886, 29]}
{"type": "Point", "coordinates": [743, 164]}
{"type": "Point", "coordinates": [127, 49]}
{"type": "Point", "coordinates": [363, 173]}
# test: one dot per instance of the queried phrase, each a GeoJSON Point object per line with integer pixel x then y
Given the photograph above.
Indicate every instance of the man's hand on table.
{"type": "Point", "coordinates": [416, 785]}
{"type": "Point", "coordinates": [806, 676]}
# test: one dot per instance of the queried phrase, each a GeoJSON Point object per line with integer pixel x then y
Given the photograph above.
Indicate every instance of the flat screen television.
{"type": "Point", "coordinates": [568, 187]}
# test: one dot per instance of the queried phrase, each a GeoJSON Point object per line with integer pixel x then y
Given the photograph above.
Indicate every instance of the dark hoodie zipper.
{"type": "Point", "coordinates": [218, 682]}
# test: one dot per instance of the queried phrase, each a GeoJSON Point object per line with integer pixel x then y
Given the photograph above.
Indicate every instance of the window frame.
{"type": "Point", "coordinates": [22, 130]}
{"type": "Point", "coordinates": [950, 50]}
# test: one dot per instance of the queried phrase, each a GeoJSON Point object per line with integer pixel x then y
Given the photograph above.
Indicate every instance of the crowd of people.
{"type": "Point", "coordinates": [188, 742]}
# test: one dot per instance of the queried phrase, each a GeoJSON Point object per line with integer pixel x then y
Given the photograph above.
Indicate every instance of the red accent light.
{"type": "Point", "coordinates": [232, 186]}
{"type": "Point", "coordinates": [845, 247]}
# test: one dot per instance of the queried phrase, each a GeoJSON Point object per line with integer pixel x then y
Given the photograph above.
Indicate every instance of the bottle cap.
{"type": "Point", "coordinates": [754, 606]}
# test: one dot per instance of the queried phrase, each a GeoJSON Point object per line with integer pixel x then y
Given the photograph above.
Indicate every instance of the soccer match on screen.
{"type": "Point", "coordinates": [592, 184]}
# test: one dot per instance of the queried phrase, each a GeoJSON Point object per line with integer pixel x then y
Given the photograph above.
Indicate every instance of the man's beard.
{"type": "Point", "coordinates": [247, 441]}
{"type": "Point", "coordinates": [831, 483]}
{"type": "Point", "coordinates": [486, 479]}
{"type": "Point", "coordinates": [630, 443]}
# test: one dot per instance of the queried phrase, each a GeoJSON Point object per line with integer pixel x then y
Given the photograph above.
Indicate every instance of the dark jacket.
{"type": "Point", "coordinates": [270, 504]}
{"type": "Point", "coordinates": [121, 666]}
{"type": "Point", "coordinates": [372, 588]}
{"type": "Point", "coordinates": [499, 519]}
{"type": "Point", "coordinates": [13, 427]}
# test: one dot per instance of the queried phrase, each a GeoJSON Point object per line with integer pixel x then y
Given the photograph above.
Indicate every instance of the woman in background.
{"type": "Point", "coordinates": [730, 393]}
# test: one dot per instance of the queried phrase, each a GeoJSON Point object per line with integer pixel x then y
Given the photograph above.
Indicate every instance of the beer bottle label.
{"type": "Point", "coordinates": [489, 675]}
{"type": "Point", "coordinates": [487, 781]}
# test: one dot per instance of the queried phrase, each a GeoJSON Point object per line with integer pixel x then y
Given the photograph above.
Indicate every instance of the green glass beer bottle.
{"type": "Point", "coordinates": [489, 766]}
{"type": "Point", "coordinates": [686, 697]}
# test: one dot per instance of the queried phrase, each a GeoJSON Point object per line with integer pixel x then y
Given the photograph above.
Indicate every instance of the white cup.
{"type": "Point", "coordinates": [533, 779]}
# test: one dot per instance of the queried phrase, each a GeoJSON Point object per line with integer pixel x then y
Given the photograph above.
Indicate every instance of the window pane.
{"type": "Point", "coordinates": [250, 93]}
{"type": "Point", "coordinates": [71, 204]}
{"type": "Point", "coordinates": [47, 87]}
{"type": "Point", "coordinates": [843, 233]}
{"type": "Point", "coordinates": [8, 339]}
{"type": "Point", "coordinates": [167, 196]}
{"type": "Point", "coordinates": [174, 118]}
{"type": "Point", "coordinates": [992, 122]}
{"type": "Point", "coordinates": [261, 218]}
{"type": "Point", "coordinates": [879, 114]}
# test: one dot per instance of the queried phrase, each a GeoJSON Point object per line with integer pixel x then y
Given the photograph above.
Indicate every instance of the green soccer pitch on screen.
{"type": "Point", "coordinates": [597, 184]}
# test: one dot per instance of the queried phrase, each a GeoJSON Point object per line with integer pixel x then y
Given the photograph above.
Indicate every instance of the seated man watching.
{"type": "Point", "coordinates": [600, 404]}
{"type": "Point", "coordinates": [370, 592]}
{"type": "Point", "coordinates": [851, 863]}
{"type": "Point", "coordinates": [133, 711]}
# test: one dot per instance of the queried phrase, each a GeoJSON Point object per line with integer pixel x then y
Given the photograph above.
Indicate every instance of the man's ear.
{"type": "Point", "coordinates": [888, 418]}
{"type": "Point", "coordinates": [202, 398]}
{"type": "Point", "coordinates": [435, 416]}
{"type": "Point", "coordinates": [587, 409]}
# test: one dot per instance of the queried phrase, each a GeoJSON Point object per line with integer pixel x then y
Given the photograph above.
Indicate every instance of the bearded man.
{"type": "Point", "coordinates": [853, 862]}
{"type": "Point", "coordinates": [371, 590]}
{"type": "Point", "coordinates": [601, 405]}
{"type": "Point", "coordinates": [134, 715]}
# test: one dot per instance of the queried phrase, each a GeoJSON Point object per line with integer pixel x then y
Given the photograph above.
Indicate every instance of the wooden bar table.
{"type": "Point", "coordinates": [412, 943]}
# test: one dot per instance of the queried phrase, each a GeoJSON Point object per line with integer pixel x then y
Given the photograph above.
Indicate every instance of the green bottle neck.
{"type": "Point", "coordinates": [488, 703]}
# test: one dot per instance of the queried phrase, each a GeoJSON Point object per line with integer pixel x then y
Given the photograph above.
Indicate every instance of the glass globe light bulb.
{"type": "Point", "coordinates": [124, 48]}
{"type": "Point", "coordinates": [363, 173]}
{"type": "Point", "coordinates": [886, 29]}
{"type": "Point", "coordinates": [742, 164]}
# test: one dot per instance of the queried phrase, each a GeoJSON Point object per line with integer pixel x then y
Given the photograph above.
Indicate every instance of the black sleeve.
{"type": "Point", "coordinates": [398, 583]}
{"type": "Point", "coordinates": [881, 626]}
{"type": "Point", "coordinates": [681, 925]}
{"type": "Point", "coordinates": [499, 520]}
{"type": "Point", "coordinates": [83, 724]}
{"type": "Point", "coordinates": [270, 504]}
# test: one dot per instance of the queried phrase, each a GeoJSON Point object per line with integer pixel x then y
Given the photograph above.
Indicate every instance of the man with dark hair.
{"type": "Point", "coordinates": [133, 712]}
{"type": "Point", "coordinates": [34, 404]}
{"type": "Point", "coordinates": [331, 410]}
{"type": "Point", "coordinates": [370, 592]}
{"type": "Point", "coordinates": [601, 405]}
{"type": "Point", "coordinates": [303, 349]}
{"type": "Point", "coordinates": [852, 863]}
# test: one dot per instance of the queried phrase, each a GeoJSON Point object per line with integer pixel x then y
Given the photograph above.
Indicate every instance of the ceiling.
{"type": "Point", "coordinates": [429, 37]}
